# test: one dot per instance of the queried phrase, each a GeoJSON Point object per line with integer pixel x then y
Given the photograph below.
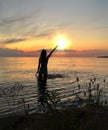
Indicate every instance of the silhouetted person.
{"type": "Point", "coordinates": [42, 65]}
{"type": "Point", "coordinates": [42, 72]}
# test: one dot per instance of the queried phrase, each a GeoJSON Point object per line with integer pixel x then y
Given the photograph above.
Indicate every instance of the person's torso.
{"type": "Point", "coordinates": [43, 63]}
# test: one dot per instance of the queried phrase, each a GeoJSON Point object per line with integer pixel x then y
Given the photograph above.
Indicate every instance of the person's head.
{"type": "Point", "coordinates": [43, 53]}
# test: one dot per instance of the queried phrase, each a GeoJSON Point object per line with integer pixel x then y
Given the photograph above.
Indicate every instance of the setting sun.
{"type": "Point", "coordinates": [61, 43]}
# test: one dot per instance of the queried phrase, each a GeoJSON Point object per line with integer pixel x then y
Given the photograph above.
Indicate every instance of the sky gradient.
{"type": "Point", "coordinates": [27, 26]}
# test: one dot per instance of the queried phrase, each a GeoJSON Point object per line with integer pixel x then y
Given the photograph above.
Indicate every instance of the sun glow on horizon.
{"type": "Point", "coordinates": [62, 42]}
{"type": "Point", "coordinates": [30, 45]}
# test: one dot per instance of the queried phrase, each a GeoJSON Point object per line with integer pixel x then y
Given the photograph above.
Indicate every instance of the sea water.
{"type": "Point", "coordinates": [63, 72]}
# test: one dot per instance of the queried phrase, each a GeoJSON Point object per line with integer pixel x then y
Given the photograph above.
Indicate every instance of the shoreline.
{"type": "Point", "coordinates": [102, 56]}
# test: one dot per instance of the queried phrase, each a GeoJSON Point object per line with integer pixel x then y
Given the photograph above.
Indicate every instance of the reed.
{"type": "Point", "coordinates": [11, 96]}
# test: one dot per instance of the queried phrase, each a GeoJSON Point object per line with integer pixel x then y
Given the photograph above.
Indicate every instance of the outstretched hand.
{"type": "Point", "coordinates": [36, 74]}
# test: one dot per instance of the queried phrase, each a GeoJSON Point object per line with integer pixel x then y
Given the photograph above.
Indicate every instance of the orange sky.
{"type": "Point", "coordinates": [35, 25]}
{"type": "Point", "coordinates": [79, 42]}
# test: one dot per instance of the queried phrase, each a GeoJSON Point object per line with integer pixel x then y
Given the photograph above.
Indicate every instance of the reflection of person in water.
{"type": "Point", "coordinates": [42, 65]}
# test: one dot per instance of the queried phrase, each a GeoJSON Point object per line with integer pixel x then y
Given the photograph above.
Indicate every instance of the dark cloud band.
{"type": "Point", "coordinates": [10, 41]}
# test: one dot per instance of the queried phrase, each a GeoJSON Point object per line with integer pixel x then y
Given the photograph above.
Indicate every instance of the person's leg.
{"type": "Point", "coordinates": [40, 77]}
{"type": "Point", "coordinates": [40, 89]}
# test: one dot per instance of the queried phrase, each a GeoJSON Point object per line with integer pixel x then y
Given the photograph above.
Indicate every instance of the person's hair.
{"type": "Point", "coordinates": [43, 54]}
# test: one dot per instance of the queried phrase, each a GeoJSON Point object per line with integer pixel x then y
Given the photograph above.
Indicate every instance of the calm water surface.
{"type": "Point", "coordinates": [63, 72]}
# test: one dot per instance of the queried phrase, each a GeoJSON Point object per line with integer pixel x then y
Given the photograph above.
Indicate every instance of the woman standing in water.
{"type": "Point", "coordinates": [42, 65]}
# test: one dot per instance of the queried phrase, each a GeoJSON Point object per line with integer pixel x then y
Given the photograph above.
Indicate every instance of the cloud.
{"type": "Point", "coordinates": [9, 52]}
{"type": "Point", "coordinates": [19, 25]}
{"type": "Point", "coordinates": [66, 50]}
{"type": "Point", "coordinates": [28, 25]}
{"type": "Point", "coordinates": [43, 34]}
{"type": "Point", "coordinates": [78, 53]}
{"type": "Point", "coordinates": [15, 19]}
{"type": "Point", "coordinates": [6, 52]}
{"type": "Point", "coordinates": [10, 41]}
{"type": "Point", "coordinates": [90, 53]}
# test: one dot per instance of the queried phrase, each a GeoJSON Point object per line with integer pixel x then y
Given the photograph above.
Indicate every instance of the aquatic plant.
{"type": "Point", "coordinates": [53, 98]}
{"type": "Point", "coordinates": [95, 93]}
{"type": "Point", "coordinates": [49, 100]}
{"type": "Point", "coordinates": [11, 95]}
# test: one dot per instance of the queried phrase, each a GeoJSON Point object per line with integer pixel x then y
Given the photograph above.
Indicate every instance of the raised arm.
{"type": "Point", "coordinates": [52, 52]}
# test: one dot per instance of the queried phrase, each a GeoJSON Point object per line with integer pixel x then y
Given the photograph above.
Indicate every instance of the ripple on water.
{"type": "Point", "coordinates": [65, 84]}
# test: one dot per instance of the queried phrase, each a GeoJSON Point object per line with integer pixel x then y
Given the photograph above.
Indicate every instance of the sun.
{"type": "Point", "coordinates": [61, 42]}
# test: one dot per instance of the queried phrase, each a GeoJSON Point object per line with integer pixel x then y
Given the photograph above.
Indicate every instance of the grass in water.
{"type": "Point", "coordinates": [91, 115]}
